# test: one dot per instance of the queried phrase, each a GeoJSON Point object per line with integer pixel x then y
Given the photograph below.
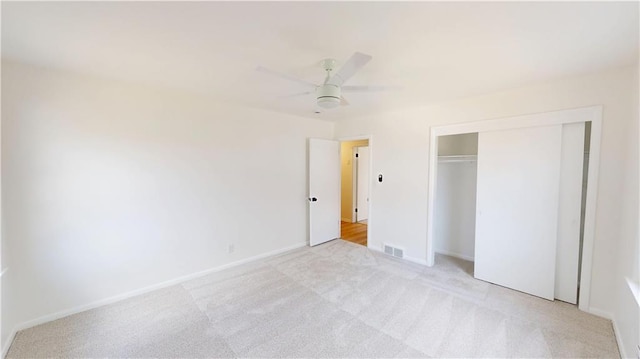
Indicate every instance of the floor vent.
{"type": "Point", "coordinates": [393, 251]}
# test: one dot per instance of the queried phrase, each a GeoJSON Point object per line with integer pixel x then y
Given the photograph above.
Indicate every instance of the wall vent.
{"type": "Point", "coordinates": [393, 251]}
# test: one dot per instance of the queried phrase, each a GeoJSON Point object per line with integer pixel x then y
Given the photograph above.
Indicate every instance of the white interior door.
{"type": "Point", "coordinates": [517, 208]}
{"type": "Point", "coordinates": [362, 193]}
{"type": "Point", "coordinates": [569, 213]}
{"type": "Point", "coordinates": [324, 190]}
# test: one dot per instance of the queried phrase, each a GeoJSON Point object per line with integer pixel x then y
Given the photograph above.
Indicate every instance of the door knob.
{"type": "Point", "coordinates": [313, 199]}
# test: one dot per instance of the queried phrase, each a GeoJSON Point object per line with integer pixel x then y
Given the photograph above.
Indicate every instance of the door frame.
{"type": "Point", "coordinates": [354, 185]}
{"type": "Point", "coordinates": [584, 114]}
{"type": "Point", "coordinates": [369, 205]}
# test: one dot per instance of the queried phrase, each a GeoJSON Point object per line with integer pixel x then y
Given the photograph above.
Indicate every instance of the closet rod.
{"type": "Point", "coordinates": [458, 158]}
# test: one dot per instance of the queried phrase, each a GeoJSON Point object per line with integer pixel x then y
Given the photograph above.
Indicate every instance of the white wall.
{"type": "Point", "coordinates": [399, 204]}
{"type": "Point", "coordinates": [2, 244]}
{"type": "Point", "coordinates": [455, 213]}
{"type": "Point", "coordinates": [626, 310]}
{"type": "Point", "coordinates": [113, 187]}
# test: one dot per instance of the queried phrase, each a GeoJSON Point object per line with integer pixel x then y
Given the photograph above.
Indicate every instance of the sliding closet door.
{"type": "Point", "coordinates": [568, 247]}
{"type": "Point", "coordinates": [517, 208]}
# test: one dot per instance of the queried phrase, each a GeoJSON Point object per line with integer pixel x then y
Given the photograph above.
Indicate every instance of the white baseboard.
{"type": "Point", "coordinates": [375, 249]}
{"type": "Point", "coordinates": [616, 332]}
{"type": "Point", "coordinates": [407, 258]}
{"type": "Point", "coordinates": [456, 255]}
{"type": "Point", "coordinates": [601, 313]}
{"type": "Point", "coordinates": [144, 290]}
{"type": "Point", "coordinates": [6, 345]}
{"type": "Point", "coordinates": [416, 260]}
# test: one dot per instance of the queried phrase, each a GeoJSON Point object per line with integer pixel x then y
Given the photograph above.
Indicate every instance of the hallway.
{"type": "Point", "coordinates": [354, 232]}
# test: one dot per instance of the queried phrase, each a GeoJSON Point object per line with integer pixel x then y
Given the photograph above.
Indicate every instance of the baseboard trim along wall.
{"type": "Point", "coordinates": [7, 345]}
{"type": "Point", "coordinates": [616, 331]}
{"type": "Point", "coordinates": [407, 258]}
{"type": "Point", "coordinates": [416, 260]}
{"type": "Point", "coordinates": [600, 313]}
{"type": "Point", "coordinates": [456, 255]}
{"type": "Point", "coordinates": [127, 295]}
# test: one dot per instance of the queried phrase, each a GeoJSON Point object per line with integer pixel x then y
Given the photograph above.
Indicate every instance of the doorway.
{"type": "Point", "coordinates": [354, 190]}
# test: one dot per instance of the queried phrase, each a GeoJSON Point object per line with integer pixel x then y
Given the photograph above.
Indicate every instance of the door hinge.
{"type": "Point", "coordinates": [356, 210]}
{"type": "Point", "coordinates": [356, 155]}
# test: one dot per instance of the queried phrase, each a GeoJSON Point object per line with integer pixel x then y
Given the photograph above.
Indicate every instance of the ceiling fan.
{"type": "Point", "coordinates": [329, 93]}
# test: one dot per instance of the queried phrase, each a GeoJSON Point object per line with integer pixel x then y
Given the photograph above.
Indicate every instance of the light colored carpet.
{"type": "Point", "coordinates": [335, 300]}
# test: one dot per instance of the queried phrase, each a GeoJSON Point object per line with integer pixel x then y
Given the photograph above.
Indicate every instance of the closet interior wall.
{"type": "Point", "coordinates": [455, 212]}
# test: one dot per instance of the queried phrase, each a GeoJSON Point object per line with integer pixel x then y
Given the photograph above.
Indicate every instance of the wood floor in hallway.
{"type": "Point", "coordinates": [354, 232]}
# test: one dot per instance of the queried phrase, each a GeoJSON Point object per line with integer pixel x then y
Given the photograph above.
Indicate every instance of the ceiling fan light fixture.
{"type": "Point", "coordinates": [328, 102]}
{"type": "Point", "coordinates": [328, 96]}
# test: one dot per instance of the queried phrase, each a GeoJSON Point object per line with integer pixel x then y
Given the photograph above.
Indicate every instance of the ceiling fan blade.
{"type": "Point", "coordinates": [284, 76]}
{"type": "Point", "coordinates": [369, 88]}
{"type": "Point", "coordinates": [343, 101]}
{"type": "Point", "coordinates": [355, 63]}
{"type": "Point", "coordinates": [297, 94]}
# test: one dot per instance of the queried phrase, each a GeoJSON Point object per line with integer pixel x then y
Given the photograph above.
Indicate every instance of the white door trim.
{"type": "Point", "coordinates": [593, 114]}
{"type": "Point", "coordinates": [370, 204]}
{"type": "Point", "coordinates": [363, 183]}
{"type": "Point", "coordinates": [354, 183]}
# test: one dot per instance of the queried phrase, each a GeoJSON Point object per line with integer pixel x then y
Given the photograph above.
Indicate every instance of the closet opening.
{"type": "Point", "coordinates": [455, 204]}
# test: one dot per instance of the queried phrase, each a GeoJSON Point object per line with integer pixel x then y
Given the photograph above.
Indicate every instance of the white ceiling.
{"type": "Point", "coordinates": [434, 51]}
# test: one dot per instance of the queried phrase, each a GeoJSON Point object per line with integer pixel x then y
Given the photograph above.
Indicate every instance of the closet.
{"type": "Point", "coordinates": [512, 201]}
{"type": "Point", "coordinates": [455, 215]}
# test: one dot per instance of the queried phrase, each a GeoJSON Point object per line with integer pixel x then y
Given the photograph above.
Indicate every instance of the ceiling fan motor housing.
{"type": "Point", "coordinates": [328, 96]}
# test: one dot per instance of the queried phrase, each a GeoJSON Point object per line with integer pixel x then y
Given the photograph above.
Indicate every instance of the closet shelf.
{"type": "Point", "coordinates": [457, 158]}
